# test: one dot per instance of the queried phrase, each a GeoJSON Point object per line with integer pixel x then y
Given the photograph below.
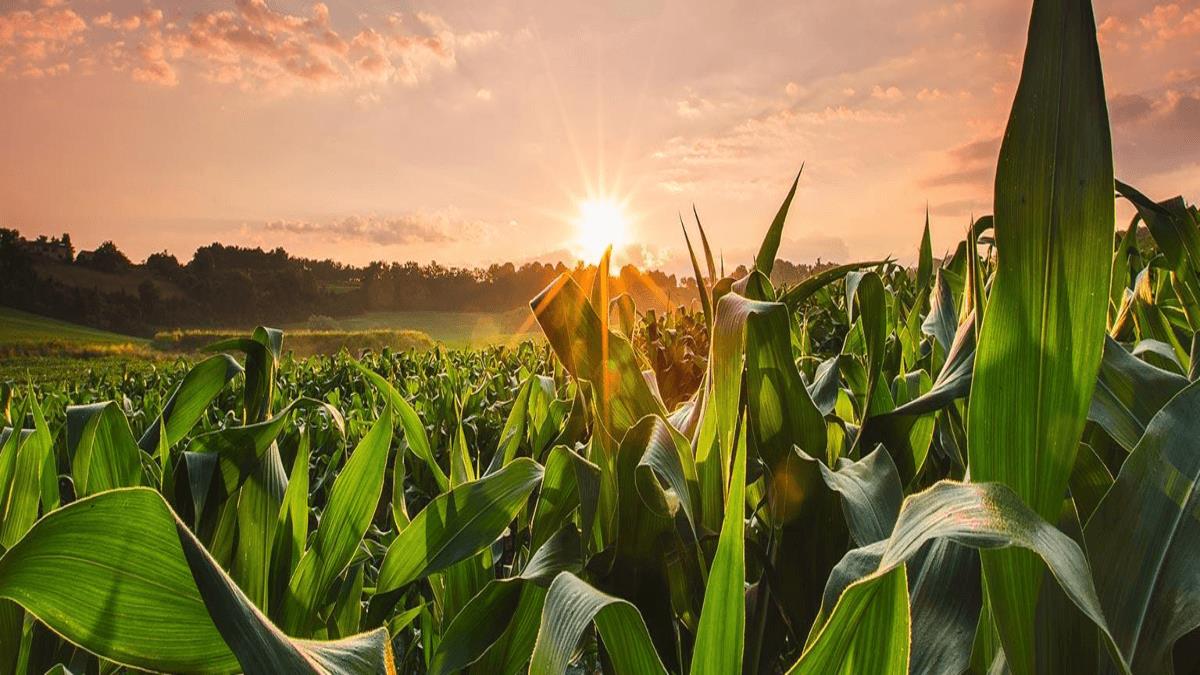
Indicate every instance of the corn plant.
{"type": "Point", "coordinates": [985, 463]}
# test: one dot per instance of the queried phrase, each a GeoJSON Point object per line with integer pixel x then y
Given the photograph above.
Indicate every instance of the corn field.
{"type": "Point", "coordinates": [985, 464]}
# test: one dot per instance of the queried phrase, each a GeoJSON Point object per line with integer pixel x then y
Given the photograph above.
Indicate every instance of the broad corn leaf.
{"type": "Point", "coordinates": [720, 638]}
{"type": "Point", "coordinates": [175, 611]}
{"type": "Point", "coordinates": [1041, 340]}
{"type": "Point", "coordinates": [458, 524]}
{"type": "Point", "coordinates": [570, 607]}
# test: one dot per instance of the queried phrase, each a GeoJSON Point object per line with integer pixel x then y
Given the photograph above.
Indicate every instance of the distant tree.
{"type": "Point", "coordinates": [163, 264]}
{"type": "Point", "coordinates": [106, 258]}
{"type": "Point", "coordinates": [149, 297]}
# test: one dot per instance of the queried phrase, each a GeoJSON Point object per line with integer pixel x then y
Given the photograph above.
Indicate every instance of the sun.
{"type": "Point", "coordinates": [601, 223]}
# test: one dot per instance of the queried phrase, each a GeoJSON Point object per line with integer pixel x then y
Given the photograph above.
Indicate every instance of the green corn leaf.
{"type": "Point", "coordinates": [870, 490]}
{"type": "Point", "coordinates": [942, 320]}
{"type": "Point", "coordinates": [410, 422]}
{"type": "Point", "coordinates": [708, 256]}
{"type": "Point", "coordinates": [1177, 237]}
{"type": "Point", "coordinates": [865, 289]}
{"type": "Point", "coordinates": [720, 638]}
{"type": "Point", "coordinates": [1128, 393]}
{"type": "Point", "coordinates": [626, 310]}
{"type": "Point", "coordinates": [1042, 338]}
{"type": "Point", "coordinates": [462, 469]}
{"type": "Point", "coordinates": [514, 428]}
{"type": "Point", "coordinates": [258, 505]}
{"type": "Point", "coordinates": [1153, 323]}
{"type": "Point", "coordinates": [23, 492]}
{"type": "Point", "coordinates": [291, 527]}
{"type": "Point", "coordinates": [599, 294]}
{"type": "Point", "coordinates": [347, 610]}
{"type": "Point", "coordinates": [174, 611]}
{"type": "Point", "coordinates": [668, 459]}
{"type": "Point", "coordinates": [102, 450]}
{"type": "Point", "coordinates": [975, 290]}
{"type": "Point", "coordinates": [867, 631]}
{"type": "Point", "coordinates": [914, 437]}
{"type": "Point", "coordinates": [571, 605]}
{"type": "Point", "coordinates": [757, 334]}
{"type": "Point", "coordinates": [190, 399]}
{"type": "Point", "coordinates": [825, 385]}
{"type": "Point", "coordinates": [925, 256]}
{"type": "Point", "coordinates": [953, 381]}
{"type": "Point", "coordinates": [483, 621]}
{"type": "Point", "coordinates": [765, 260]}
{"type": "Point", "coordinates": [595, 355]}
{"type": "Point", "coordinates": [945, 603]}
{"type": "Point", "coordinates": [986, 516]}
{"type": "Point", "coordinates": [241, 449]}
{"type": "Point", "coordinates": [570, 482]}
{"type": "Point", "coordinates": [458, 524]}
{"type": "Point", "coordinates": [510, 654]}
{"type": "Point", "coordinates": [640, 532]}
{"type": "Point", "coordinates": [348, 514]}
{"type": "Point", "coordinates": [263, 349]}
{"type": "Point", "coordinates": [796, 296]}
{"type": "Point", "coordinates": [1090, 481]}
{"type": "Point", "coordinates": [701, 289]}
{"type": "Point", "coordinates": [10, 443]}
{"type": "Point", "coordinates": [1144, 539]}
{"type": "Point", "coordinates": [1123, 256]}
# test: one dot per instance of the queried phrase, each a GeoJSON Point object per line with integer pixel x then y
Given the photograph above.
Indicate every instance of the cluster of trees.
{"type": "Point", "coordinates": [231, 286]}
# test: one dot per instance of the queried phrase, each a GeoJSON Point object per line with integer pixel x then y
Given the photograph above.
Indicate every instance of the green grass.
{"type": "Point", "coordinates": [47, 370]}
{"type": "Point", "coordinates": [303, 343]}
{"type": "Point", "coordinates": [456, 329]}
{"type": "Point", "coordinates": [17, 326]}
{"type": "Point", "coordinates": [52, 350]}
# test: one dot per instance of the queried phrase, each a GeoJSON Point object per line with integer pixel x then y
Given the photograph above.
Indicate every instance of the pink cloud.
{"type": "Point", "coordinates": [248, 45]}
{"type": "Point", "coordinates": [433, 227]}
{"type": "Point", "coordinates": [58, 25]}
{"type": "Point", "coordinates": [30, 39]}
{"type": "Point", "coordinates": [1168, 22]}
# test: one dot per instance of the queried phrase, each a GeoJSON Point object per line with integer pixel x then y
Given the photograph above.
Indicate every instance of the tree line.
{"type": "Point", "coordinates": [233, 286]}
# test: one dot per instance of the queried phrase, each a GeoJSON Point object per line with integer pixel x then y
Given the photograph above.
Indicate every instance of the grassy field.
{"type": "Point", "coordinates": [304, 343]}
{"type": "Point", "coordinates": [22, 327]}
{"type": "Point", "coordinates": [456, 329]}
{"type": "Point", "coordinates": [23, 334]}
{"type": "Point", "coordinates": [49, 350]}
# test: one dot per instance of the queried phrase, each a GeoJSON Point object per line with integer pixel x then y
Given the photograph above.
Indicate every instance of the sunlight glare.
{"type": "Point", "coordinates": [601, 223]}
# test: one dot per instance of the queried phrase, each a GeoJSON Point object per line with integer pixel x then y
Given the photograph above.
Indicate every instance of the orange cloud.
{"type": "Point", "coordinates": [249, 45]}
{"type": "Point", "coordinates": [28, 39]}
{"type": "Point", "coordinates": [971, 165]}
{"type": "Point", "coordinates": [1168, 22]}
{"type": "Point", "coordinates": [441, 227]}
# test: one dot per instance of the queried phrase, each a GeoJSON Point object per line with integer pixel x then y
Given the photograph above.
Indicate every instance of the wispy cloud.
{"type": "Point", "coordinates": [687, 161]}
{"type": "Point", "coordinates": [971, 164]}
{"type": "Point", "coordinates": [442, 227]}
{"type": "Point", "coordinates": [36, 43]}
{"type": "Point", "coordinates": [248, 45]}
{"type": "Point", "coordinates": [1169, 22]}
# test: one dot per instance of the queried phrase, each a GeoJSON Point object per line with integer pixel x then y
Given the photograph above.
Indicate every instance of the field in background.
{"type": "Point", "coordinates": [303, 343]}
{"type": "Point", "coordinates": [42, 349]}
{"type": "Point", "coordinates": [17, 327]}
{"type": "Point", "coordinates": [52, 350]}
{"type": "Point", "coordinates": [454, 329]}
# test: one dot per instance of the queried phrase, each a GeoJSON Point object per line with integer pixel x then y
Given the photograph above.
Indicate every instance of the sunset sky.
{"type": "Point", "coordinates": [471, 132]}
